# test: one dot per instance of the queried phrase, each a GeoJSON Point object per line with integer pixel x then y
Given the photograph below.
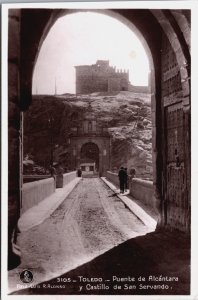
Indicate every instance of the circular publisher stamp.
{"type": "Point", "coordinates": [26, 276]}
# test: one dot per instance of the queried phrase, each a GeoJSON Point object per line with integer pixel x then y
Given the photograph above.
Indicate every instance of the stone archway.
{"type": "Point", "coordinates": [167, 29]}
{"type": "Point", "coordinates": [168, 44]}
{"type": "Point", "coordinates": [99, 147]}
{"type": "Point", "coordinates": [90, 151]}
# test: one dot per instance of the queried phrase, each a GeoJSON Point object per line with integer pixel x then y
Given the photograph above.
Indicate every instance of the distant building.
{"type": "Point", "coordinates": [101, 77]}
{"type": "Point", "coordinates": [89, 144]}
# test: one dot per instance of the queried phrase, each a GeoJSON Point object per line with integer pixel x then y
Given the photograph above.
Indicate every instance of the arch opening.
{"type": "Point", "coordinates": [156, 87]}
{"type": "Point", "coordinates": [136, 121]}
{"type": "Point", "coordinates": [146, 163]}
{"type": "Point", "coordinates": [161, 183]}
{"type": "Point", "coordinates": [125, 50]}
{"type": "Point", "coordinates": [113, 84]}
{"type": "Point", "coordinates": [89, 157]}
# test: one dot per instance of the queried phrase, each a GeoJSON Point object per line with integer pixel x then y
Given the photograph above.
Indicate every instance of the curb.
{"type": "Point", "coordinates": [135, 208]}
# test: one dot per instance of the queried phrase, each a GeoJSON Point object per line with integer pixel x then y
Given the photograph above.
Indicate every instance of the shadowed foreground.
{"type": "Point", "coordinates": [159, 253]}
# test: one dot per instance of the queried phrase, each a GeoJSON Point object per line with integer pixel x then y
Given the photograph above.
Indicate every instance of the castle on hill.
{"type": "Point", "coordinates": [101, 77]}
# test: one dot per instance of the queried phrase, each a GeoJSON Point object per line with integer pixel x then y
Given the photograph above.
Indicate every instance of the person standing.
{"type": "Point", "coordinates": [52, 171]}
{"type": "Point", "coordinates": [53, 174]}
{"type": "Point", "coordinates": [122, 178]}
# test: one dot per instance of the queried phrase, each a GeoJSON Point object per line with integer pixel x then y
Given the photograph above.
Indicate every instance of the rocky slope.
{"type": "Point", "coordinates": [126, 115]}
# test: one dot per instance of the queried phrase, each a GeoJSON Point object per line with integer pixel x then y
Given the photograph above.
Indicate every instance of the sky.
{"type": "Point", "coordinates": [81, 39]}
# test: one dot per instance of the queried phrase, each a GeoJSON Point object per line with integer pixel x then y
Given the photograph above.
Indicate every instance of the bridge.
{"type": "Point", "coordinates": [88, 226]}
{"type": "Point", "coordinates": [115, 253]}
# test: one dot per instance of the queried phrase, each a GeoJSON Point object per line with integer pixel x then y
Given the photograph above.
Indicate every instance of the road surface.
{"type": "Point", "coordinates": [89, 222]}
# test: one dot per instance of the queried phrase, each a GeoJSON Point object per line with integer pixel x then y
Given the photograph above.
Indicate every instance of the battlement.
{"type": "Point", "coordinates": [100, 77]}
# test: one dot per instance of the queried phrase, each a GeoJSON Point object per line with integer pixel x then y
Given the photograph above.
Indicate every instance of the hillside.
{"type": "Point", "coordinates": [126, 115]}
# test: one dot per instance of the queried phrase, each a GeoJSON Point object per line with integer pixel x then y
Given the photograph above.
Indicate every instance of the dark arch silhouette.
{"type": "Point", "coordinates": [90, 152]}
{"type": "Point", "coordinates": [29, 29]}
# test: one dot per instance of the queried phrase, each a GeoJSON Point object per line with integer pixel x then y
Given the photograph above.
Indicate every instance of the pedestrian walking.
{"type": "Point", "coordinates": [122, 179]}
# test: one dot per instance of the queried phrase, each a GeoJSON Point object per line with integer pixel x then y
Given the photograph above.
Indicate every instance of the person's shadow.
{"type": "Point", "coordinates": [114, 194]}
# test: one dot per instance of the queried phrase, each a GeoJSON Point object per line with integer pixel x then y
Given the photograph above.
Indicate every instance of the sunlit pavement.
{"type": "Point", "coordinates": [93, 234]}
{"type": "Point", "coordinates": [89, 222]}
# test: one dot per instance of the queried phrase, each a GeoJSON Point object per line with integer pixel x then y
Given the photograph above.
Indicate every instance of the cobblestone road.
{"type": "Point", "coordinates": [90, 221]}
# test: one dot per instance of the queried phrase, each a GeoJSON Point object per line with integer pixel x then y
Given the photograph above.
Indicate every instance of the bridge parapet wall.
{"type": "Point", "coordinates": [68, 177]}
{"type": "Point", "coordinates": [140, 189]}
{"type": "Point", "coordinates": [36, 191]}
{"type": "Point", "coordinates": [113, 177]}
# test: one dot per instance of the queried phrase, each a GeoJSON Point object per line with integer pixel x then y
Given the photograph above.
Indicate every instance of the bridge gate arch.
{"type": "Point", "coordinates": [168, 46]}
{"type": "Point", "coordinates": [101, 148]}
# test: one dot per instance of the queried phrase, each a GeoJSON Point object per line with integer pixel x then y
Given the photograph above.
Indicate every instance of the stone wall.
{"type": "Point", "coordinates": [139, 89]}
{"type": "Point", "coordinates": [103, 144]}
{"type": "Point", "coordinates": [100, 78]}
{"type": "Point", "coordinates": [113, 84]}
{"type": "Point", "coordinates": [13, 131]}
{"type": "Point", "coordinates": [113, 177]}
{"type": "Point", "coordinates": [160, 21]}
{"type": "Point", "coordinates": [141, 190]}
{"type": "Point", "coordinates": [35, 192]}
{"type": "Point", "coordinates": [116, 84]}
{"type": "Point", "coordinates": [68, 177]}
